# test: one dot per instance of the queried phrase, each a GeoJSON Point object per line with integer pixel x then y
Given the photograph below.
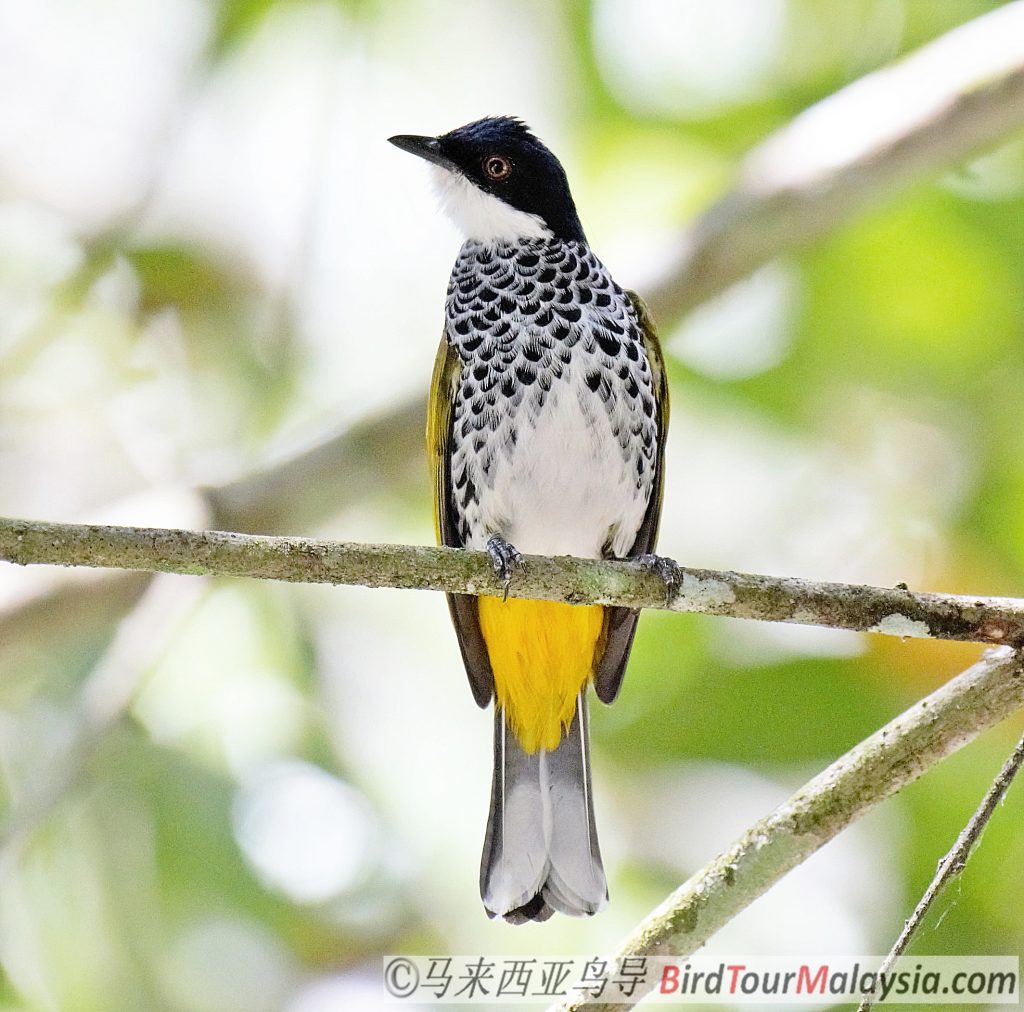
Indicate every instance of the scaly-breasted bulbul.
{"type": "Point", "coordinates": [546, 433]}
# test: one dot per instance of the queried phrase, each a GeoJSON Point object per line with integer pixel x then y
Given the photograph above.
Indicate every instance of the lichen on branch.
{"type": "Point", "coordinates": [892, 611]}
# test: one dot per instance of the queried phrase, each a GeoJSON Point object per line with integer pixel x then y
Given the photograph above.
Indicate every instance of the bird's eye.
{"type": "Point", "coordinates": [497, 167]}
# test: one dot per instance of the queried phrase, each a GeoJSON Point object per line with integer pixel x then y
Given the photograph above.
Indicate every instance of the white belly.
{"type": "Point", "coordinates": [565, 488]}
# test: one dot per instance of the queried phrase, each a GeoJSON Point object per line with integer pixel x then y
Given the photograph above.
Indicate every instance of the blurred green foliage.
{"type": "Point", "coordinates": [156, 861]}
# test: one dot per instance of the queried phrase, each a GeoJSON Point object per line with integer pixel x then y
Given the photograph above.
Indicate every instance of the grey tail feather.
{"type": "Point", "coordinates": [541, 852]}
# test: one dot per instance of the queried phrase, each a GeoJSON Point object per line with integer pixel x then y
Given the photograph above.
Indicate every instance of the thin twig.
{"type": "Point", "coordinates": [874, 770]}
{"type": "Point", "coordinates": [896, 612]}
{"type": "Point", "coordinates": [955, 861]}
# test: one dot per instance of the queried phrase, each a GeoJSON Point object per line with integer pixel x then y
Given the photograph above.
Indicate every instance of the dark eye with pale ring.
{"type": "Point", "coordinates": [497, 167]}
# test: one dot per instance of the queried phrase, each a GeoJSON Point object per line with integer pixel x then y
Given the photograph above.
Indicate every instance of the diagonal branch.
{"type": "Point", "coordinates": [856, 148]}
{"type": "Point", "coordinates": [897, 612]}
{"type": "Point", "coordinates": [877, 768]}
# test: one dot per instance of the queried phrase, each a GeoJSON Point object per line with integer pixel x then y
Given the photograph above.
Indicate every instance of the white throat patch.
{"type": "Point", "coordinates": [483, 216]}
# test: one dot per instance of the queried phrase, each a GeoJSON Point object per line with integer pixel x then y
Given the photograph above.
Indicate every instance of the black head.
{"type": "Point", "coordinates": [500, 157]}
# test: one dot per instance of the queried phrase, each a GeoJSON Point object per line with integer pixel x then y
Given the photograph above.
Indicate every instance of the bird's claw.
{"type": "Point", "coordinates": [667, 569]}
{"type": "Point", "coordinates": [505, 559]}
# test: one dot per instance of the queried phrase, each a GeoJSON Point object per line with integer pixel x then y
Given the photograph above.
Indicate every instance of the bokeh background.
{"type": "Point", "coordinates": [220, 297]}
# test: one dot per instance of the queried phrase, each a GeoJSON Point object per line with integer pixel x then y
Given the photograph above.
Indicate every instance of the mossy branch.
{"type": "Point", "coordinates": [877, 768]}
{"type": "Point", "coordinates": [898, 611]}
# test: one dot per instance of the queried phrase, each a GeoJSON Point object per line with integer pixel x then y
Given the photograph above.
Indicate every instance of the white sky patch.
{"type": "Point", "coordinates": [220, 690]}
{"type": "Point", "coordinates": [241, 177]}
{"type": "Point", "coordinates": [306, 833]}
{"type": "Point", "coordinates": [833, 902]}
{"type": "Point", "coordinates": [37, 251]}
{"type": "Point", "coordinates": [743, 331]}
{"type": "Point", "coordinates": [899, 625]}
{"type": "Point", "coordinates": [753, 644]}
{"type": "Point", "coordinates": [88, 93]}
{"type": "Point", "coordinates": [228, 963]}
{"type": "Point", "coordinates": [751, 496]}
{"type": "Point", "coordinates": [358, 989]}
{"type": "Point", "coordinates": [480, 215]}
{"type": "Point", "coordinates": [279, 170]}
{"type": "Point", "coordinates": [688, 56]}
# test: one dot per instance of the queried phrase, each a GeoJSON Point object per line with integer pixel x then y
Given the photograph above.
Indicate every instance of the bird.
{"type": "Point", "coordinates": [547, 420]}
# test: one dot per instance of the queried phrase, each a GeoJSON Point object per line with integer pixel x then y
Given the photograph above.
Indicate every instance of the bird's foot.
{"type": "Point", "coordinates": [667, 569]}
{"type": "Point", "coordinates": [505, 559]}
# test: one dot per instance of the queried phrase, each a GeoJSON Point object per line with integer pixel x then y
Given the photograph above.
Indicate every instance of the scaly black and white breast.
{"type": "Point", "coordinates": [554, 423]}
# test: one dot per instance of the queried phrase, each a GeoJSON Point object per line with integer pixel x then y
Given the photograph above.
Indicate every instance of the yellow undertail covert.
{"type": "Point", "coordinates": [542, 654]}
